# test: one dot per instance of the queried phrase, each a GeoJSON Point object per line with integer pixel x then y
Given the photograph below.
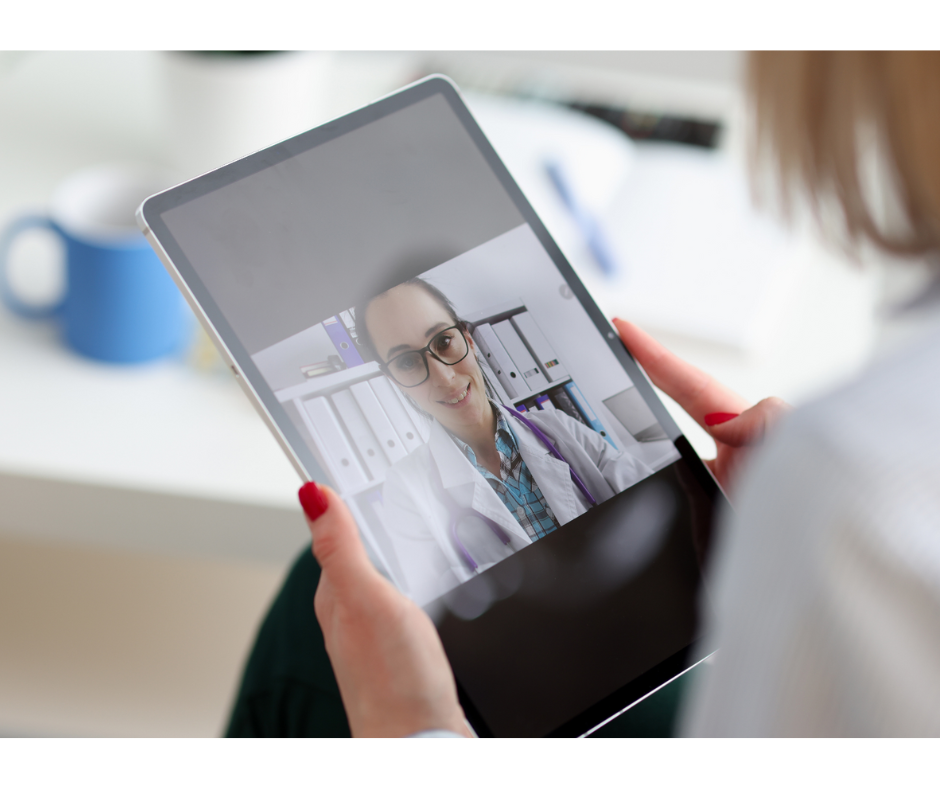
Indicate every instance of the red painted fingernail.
{"type": "Point", "coordinates": [312, 500]}
{"type": "Point", "coordinates": [711, 419]}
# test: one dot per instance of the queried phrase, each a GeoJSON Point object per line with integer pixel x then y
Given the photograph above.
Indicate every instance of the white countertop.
{"type": "Point", "coordinates": [161, 427]}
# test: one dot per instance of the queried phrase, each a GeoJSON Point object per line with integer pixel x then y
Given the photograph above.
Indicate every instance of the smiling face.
{"type": "Point", "coordinates": [406, 318]}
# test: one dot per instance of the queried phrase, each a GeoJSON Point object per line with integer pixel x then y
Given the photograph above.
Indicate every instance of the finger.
{"type": "Point", "coordinates": [336, 543]}
{"type": "Point", "coordinates": [695, 392]}
{"type": "Point", "coordinates": [753, 423]}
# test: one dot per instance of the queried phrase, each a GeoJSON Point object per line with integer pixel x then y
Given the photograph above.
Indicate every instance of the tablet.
{"type": "Point", "coordinates": [406, 326]}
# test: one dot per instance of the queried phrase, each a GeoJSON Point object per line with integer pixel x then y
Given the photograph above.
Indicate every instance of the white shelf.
{"type": "Point", "coordinates": [496, 313]}
{"type": "Point", "coordinates": [326, 383]}
{"type": "Point", "coordinates": [81, 439]}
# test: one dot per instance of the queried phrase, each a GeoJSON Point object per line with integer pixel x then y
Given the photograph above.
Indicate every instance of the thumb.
{"type": "Point", "coordinates": [336, 543]}
{"type": "Point", "coordinates": [748, 427]}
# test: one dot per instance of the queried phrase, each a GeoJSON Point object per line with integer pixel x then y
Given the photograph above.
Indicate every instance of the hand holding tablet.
{"type": "Point", "coordinates": [412, 335]}
{"type": "Point", "coordinates": [391, 668]}
{"type": "Point", "coordinates": [735, 425]}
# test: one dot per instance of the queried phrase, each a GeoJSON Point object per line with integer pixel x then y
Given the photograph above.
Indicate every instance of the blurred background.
{"type": "Point", "coordinates": [148, 517]}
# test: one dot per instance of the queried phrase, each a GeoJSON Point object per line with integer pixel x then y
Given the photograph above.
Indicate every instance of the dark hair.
{"type": "Point", "coordinates": [362, 332]}
{"type": "Point", "coordinates": [365, 339]}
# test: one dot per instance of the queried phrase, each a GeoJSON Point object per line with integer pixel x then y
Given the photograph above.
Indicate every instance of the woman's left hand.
{"type": "Point", "coordinates": [389, 662]}
{"type": "Point", "coordinates": [734, 424]}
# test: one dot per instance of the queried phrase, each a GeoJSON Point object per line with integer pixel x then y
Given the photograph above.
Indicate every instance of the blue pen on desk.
{"type": "Point", "coordinates": [589, 226]}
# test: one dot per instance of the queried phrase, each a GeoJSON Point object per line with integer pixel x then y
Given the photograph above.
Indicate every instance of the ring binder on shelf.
{"type": "Point", "coordinates": [338, 454]}
{"type": "Point", "coordinates": [379, 422]}
{"type": "Point", "coordinates": [362, 436]}
{"type": "Point", "coordinates": [500, 362]}
{"type": "Point", "coordinates": [388, 399]}
{"type": "Point", "coordinates": [520, 355]}
{"type": "Point", "coordinates": [544, 402]}
{"type": "Point", "coordinates": [343, 342]}
{"type": "Point", "coordinates": [541, 348]}
{"type": "Point", "coordinates": [421, 423]}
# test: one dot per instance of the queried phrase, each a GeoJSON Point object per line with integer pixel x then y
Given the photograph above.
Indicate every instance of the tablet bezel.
{"type": "Point", "coordinates": [150, 219]}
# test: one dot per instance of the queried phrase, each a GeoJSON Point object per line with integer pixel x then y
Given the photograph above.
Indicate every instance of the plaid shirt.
{"type": "Point", "coordinates": [515, 486]}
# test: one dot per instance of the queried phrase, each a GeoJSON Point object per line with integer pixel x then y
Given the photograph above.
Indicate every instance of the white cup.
{"type": "Point", "coordinates": [221, 107]}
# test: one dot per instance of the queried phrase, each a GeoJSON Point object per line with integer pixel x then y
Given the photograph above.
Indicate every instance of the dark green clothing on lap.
{"type": "Point", "coordinates": [288, 687]}
{"type": "Point", "coordinates": [653, 718]}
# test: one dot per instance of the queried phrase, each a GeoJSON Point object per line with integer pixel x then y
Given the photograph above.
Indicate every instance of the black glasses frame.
{"type": "Point", "coordinates": [423, 352]}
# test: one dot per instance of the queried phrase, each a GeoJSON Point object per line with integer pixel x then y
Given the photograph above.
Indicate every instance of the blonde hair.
{"type": "Point", "coordinates": [820, 114]}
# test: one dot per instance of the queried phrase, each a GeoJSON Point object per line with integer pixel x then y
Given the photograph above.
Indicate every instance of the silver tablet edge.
{"type": "Point", "coordinates": [220, 345]}
{"type": "Point", "coordinates": [600, 725]}
{"type": "Point", "coordinates": [410, 85]}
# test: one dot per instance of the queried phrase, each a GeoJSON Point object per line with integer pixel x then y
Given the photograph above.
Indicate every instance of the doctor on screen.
{"type": "Point", "coordinates": [489, 481]}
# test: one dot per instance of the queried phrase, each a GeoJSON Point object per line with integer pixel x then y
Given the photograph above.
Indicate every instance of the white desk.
{"type": "Point", "coordinates": [162, 460]}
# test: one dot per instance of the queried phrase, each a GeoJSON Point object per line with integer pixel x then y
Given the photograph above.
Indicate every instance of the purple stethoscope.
{"type": "Point", "coordinates": [495, 527]}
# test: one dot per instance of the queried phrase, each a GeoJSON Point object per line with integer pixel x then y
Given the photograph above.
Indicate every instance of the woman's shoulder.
{"type": "Point", "coordinates": [885, 419]}
{"type": "Point", "coordinates": [857, 467]}
{"type": "Point", "coordinates": [833, 534]}
{"type": "Point", "coordinates": [875, 434]}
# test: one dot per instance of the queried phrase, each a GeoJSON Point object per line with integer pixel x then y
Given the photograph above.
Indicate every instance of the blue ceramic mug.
{"type": "Point", "coordinates": [120, 304]}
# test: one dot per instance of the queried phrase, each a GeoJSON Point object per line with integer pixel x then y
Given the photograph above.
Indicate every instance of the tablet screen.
{"type": "Point", "coordinates": [422, 345]}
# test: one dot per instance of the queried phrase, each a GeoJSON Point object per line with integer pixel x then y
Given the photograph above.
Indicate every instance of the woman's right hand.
{"type": "Point", "coordinates": [392, 672]}
{"type": "Point", "coordinates": [725, 415]}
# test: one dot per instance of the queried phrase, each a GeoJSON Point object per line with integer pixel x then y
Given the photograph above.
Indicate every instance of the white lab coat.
{"type": "Point", "coordinates": [420, 520]}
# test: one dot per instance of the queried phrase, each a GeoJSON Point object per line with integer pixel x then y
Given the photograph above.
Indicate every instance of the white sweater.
{"type": "Point", "coordinates": [826, 593]}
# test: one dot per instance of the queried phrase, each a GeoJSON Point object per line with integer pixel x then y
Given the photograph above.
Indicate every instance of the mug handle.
{"type": "Point", "coordinates": [12, 301]}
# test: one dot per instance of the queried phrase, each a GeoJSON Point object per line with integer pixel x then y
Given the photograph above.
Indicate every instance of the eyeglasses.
{"type": "Point", "coordinates": [410, 369]}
